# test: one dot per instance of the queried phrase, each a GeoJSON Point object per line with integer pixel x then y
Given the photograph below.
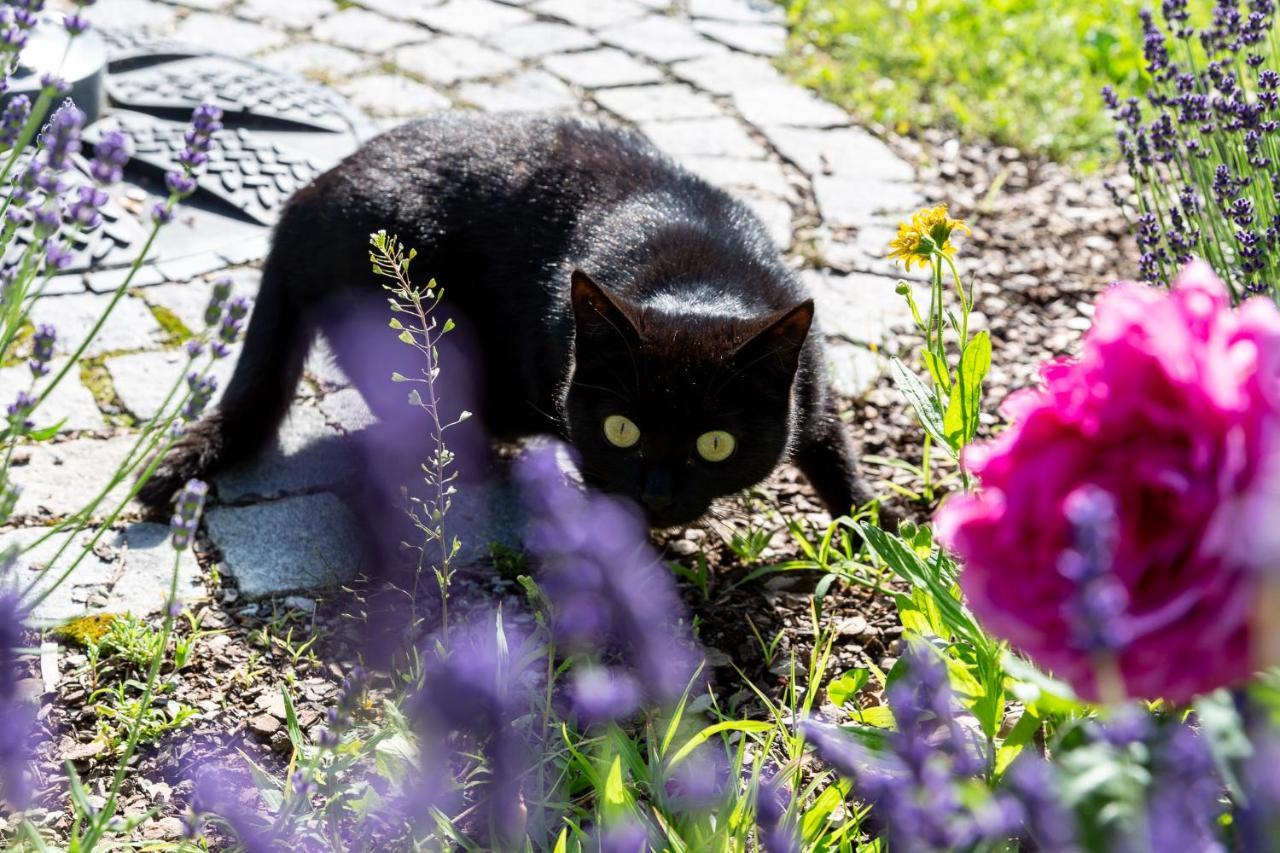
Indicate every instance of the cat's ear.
{"type": "Point", "coordinates": [596, 313]}
{"type": "Point", "coordinates": [779, 340]}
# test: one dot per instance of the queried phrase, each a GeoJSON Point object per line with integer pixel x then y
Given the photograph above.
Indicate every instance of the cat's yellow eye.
{"type": "Point", "coordinates": [621, 432]}
{"type": "Point", "coordinates": [716, 446]}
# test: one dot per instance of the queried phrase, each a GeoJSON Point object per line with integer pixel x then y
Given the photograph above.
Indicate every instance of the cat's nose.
{"type": "Point", "coordinates": [657, 494]}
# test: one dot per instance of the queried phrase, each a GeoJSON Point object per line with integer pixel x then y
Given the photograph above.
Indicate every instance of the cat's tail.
{"type": "Point", "coordinates": [256, 399]}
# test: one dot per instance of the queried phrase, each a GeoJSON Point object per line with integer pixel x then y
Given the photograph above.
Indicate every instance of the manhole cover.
{"type": "Point", "coordinates": [279, 132]}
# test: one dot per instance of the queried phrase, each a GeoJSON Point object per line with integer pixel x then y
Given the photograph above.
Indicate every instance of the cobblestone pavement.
{"type": "Point", "coordinates": [696, 77]}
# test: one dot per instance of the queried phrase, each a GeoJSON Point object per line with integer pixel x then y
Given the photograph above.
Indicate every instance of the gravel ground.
{"type": "Point", "coordinates": [1043, 245]}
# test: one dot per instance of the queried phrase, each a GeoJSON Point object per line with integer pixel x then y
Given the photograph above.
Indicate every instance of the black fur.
{"type": "Point", "coordinates": [681, 315]}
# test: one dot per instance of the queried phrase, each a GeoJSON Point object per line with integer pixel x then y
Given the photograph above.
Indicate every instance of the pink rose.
{"type": "Point", "coordinates": [1172, 410]}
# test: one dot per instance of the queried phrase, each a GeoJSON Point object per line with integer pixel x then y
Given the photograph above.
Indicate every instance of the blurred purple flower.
{"type": "Point", "coordinates": [1033, 785]}
{"type": "Point", "coordinates": [75, 24]}
{"type": "Point", "coordinates": [475, 692]}
{"type": "Point", "coordinates": [179, 183]}
{"type": "Point", "coordinates": [224, 788]}
{"type": "Point", "coordinates": [202, 389]}
{"type": "Point", "coordinates": [42, 344]}
{"type": "Point", "coordinates": [13, 119]}
{"type": "Point", "coordinates": [16, 716]}
{"type": "Point", "coordinates": [699, 781]}
{"type": "Point", "coordinates": [60, 137]}
{"type": "Point", "coordinates": [601, 694]}
{"type": "Point", "coordinates": [606, 582]}
{"type": "Point", "coordinates": [624, 836]}
{"type": "Point", "coordinates": [186, 518]}
{"type": "Point", "coordinates": [20, 410]}
{"type": "Point", "coordinates": [83, 212]}
{"type": "Point", "coordinates": [1183, 803]}
{"type": "Point", "coordinates": [773, 798]}
{"type": "Point", "coordinates": [912, 785]}
{"type": "Point", "coordinates": [162, 213]}
{"type": "Point", "coordinates": [109, 156]}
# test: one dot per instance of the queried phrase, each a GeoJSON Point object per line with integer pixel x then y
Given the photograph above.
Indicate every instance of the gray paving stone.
{"type": "Point", "coordinates": [774, 212]}
{"type": "Point", "coordinates": [741, 11]}
{"type": "Point", "coordinates": [129, 570]}
{"type": "Point", "coordinates": [70, 401]}
{"type": "Point", "coordinates": [285, 14]}
{"type": "Point", "coordinates": [393, 95]}
{"type": "Point", "coordinates": [661, 38]}
{"type": "Point", "coordinates": [665, 102]}
{"type": "Point", "coordinates": [286, 545]}
{"type": "Point", "coordinates": [240, 38]}
{"type": "Point", "coordinates": [849, 152]}
{"type": "Point", "coordinates": [866, 250]}
{"type": "Point", "coordinates": [363, 30]}
{"type": "Point", "coordinates": [323, 366]}
{"type": "Point", "coordinates": [529, 91]}
{"type": "Point", "coordinates": [448, 60]}
{"type": "Point", "coordinates": [106, 281]}
{"type": "Point", "coordinates": [142, 380]}
{"type": "Point", "coordinates": [482, 515]}
{"type": "Point", "coordinates": [704, 137]}
{"type": "Point", "coordinates": [144, 15]}
{"type": "Point", "coordinates": [186, 268]}
{"type": "Point", "coordinates": [307, 454]}
{"type": "Point", "coordinates": [726, 73]}
{"type": "Point", "coordinates": [590, 14]}
{"type": "Point", "coordinates": [853, 369]}
{"type": "Point", "coordinates": [347, 410]}
{"type": "Point", "coordinates": [130, 326]}
{"type": "Point", "coordinates": [541, 38]}
{"type": "Point", "coordinates": [476, 18]}
{"type": "Point", "coordinates": [853, 202]}
{"type": "Point", "coordinates": [62, 285]}
{"type": "Point", "coordinates": [760, 39]}
{"type": "Point", "coordinates": [761, 176]}
{"type": "Point", "coordinates": [400, 9]}
{"type": "Point", "coordinates": [600, 69]}
{"type": "Point", "coordinates": [59, 479]}
{"type": "Point", "coordinates": [862, 309]}
{"type": "Point", "coordinates": [323, 63]}
{"type": "Point", "coordinates": [207, 5]}
{"type": "Point", "coordinates": [787, 104]}
{"type": "Point", "coordinates": [186, 301]}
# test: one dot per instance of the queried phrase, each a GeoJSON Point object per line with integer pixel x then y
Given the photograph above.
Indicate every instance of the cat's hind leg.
{"type": "Point", "coordinates": [256, 399]}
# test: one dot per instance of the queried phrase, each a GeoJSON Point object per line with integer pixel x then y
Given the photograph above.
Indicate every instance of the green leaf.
{"type": "Point", "coordinates": [963, 409]}
{"type": "Point", "coordinates": [846, 687]}
{"type": "Point", "coordinates": [291, 720]}
{"type": "Point", "coordinates": [615, 794]}
{"type": "Point", "coordinates": [924, 401]}
{"type": "Point", "coordinates": [701, 737]}
{"type": "Point", "coordinates": [46, 433]}
{"type": "Point", "coordinates": [937, 368]}
{"type": "Point", "coordinates": [880, 716]}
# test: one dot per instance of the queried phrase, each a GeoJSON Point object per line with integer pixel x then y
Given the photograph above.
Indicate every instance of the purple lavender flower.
{"type": "Point", "coordinates": [202, 389]}
{"type": "Point", "coordinates": [626, 836]}
{"type": "Point", "coordinates": [20, 410]}
{"type": "Point", "coordinates": [475, 692]}
{"type": "Point", "coordinates": [606, 583]}
{"type": "Point", "coordinates": [186, 518]}
{"type": "Point", "coordinates": [1097, 608]}
{"type": "Point", "coordinates": [1183, 802]}
{"type": "Point", "coordinates": [700, 781]}
{"type": "Point", "coordinates": [54, 85]}
{"type": "Point", "coordinates": [13, 119]}
{"type": "Point", "coordinates": [773, 798]}
{"type": "Point", "coordinates": [57, 257]}
{"type": "Point", "coordinates": [601, 694]}
{"type": "Point", "coordinates": [60, 137]}
{"type": "Point", "coordinates": [912, 784]}
{"type": "Point", "coordinates": [179, 183]}
{"type": "Point", "coordinates": [162, 213]}
{"type": "Point", "coordinates": [194, 348]}
{"type": "Point", "coordinates": [224, 787]}
{"type": "Point", "coordinates": [75, 24]}
{"type": "Point", "coordinates": [42, 349]}
{"type": "Point", "coordinates": [83, 211]}
{"type": "Point", "coordinates": [1032, 783]}
{"type": "Point", "coordinates": [109, 157]}
{"type": "Point", "coordinates": [15, 715]}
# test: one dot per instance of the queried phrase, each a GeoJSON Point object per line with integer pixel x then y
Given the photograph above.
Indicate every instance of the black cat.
{"type": "Point", "coordinates": [614, 298]}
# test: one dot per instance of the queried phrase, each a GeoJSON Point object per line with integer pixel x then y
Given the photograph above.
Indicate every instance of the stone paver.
{"type": "Point", "coordinates": [143, 380]}
{"type": "Point", "coordinates": [760, 39]}
{"type": "Point", "coordinates": [599, 69]}
{"type": "Point", "coordinates": [665, 102]}
{"type": "Point", "coordinates": [364, 31]}
{"type": "Point", "coordinates": [696, 77]}
{"type": "Point", "coordinates": [590, 14]}
{"type": "Point", "coordinates": [388, 95]}
{"type": "Point", "coordinates": [529, 91]}
{"type": "Point", "coordinates": [709, 137]}
{"type": "Point", "coordinates": [307, 454]}
{"type": "Point", "coordinates": [130, 569]}
{"type": "Point", "coordinates": [70, 403]}
{"type": "Point", "coordinates": [475, 18]}
{"type": "Point", "coordinates": [286, 545]}
{"type": "Point", "coordinates": [228, 35]}
{"type": "Point", "coordinates": [316, 61]}
{"type": "Point", "coordinates": [541, 38]}
{"type": "Point", "coordinates": [58, 479]}
{"type": "Point", "coordinates": [130, 326]}
{"type": "Point", "coordinates": [448, 60]}
{"type": "Point", "coordinates": [660, 38]}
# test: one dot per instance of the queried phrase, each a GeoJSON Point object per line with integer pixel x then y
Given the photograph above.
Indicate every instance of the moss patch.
{"type": "Point", "coordinates": [95, 376]}
{"type": "Point", "coordinates": [175, 331]}
{"type": "Point", "coordinates": [85, 630]}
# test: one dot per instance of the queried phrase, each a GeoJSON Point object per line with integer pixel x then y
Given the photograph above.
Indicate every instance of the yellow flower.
{"type": "Point", "coordinates": [928, 233]}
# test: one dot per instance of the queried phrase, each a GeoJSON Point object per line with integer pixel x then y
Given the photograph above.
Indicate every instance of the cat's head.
{"type": "Point", "coordinates": [676, 403]}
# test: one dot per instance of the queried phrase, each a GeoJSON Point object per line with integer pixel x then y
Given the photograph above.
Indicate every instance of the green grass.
{"type": "Point", "coordinates": [1025, 73]}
